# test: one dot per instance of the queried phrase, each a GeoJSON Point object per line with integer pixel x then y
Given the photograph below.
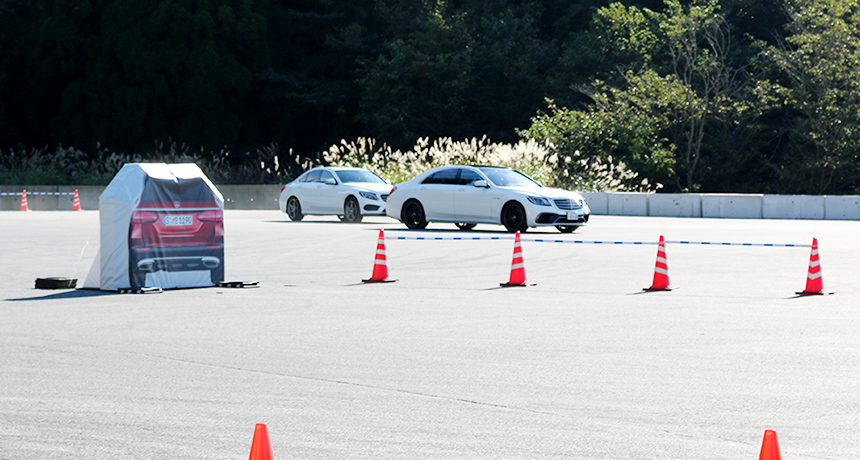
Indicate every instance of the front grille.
{"type": "Point", "coordinates": [384, 197]}
{"type": "Point", "coordinates": [567, 204]}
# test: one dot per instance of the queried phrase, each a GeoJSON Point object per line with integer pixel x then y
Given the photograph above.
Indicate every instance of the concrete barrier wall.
{"type": "Point", "coordinates": [732, 206]}
{"type": "Point", "coordinates": [842, 207]}
{"type": "Point", "coordinates": [792, 207]}
{"type": "Point", "coordinates": [675, 205]}
{"type": "Point", "coordinates": [737, 206]}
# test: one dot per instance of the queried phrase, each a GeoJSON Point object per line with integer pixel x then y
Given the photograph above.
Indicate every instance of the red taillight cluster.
{"type": "Point", "coordinates": [392, 190]}
{"type": "Point", "coordinates": [143, 217]}
{"type": "Point", "coordinates": [211, 216]}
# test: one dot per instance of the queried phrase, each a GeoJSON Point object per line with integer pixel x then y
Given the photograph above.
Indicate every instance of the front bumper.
{"type": "Point", "coordinates": [550, 218]}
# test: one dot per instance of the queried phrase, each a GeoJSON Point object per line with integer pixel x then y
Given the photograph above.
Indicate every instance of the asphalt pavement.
{"type": "Point", "coordinates": [444, 363]}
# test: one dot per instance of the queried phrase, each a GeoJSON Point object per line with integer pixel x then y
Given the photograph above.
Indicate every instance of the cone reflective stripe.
{"type": "Point", "coordinates": [261, 447]}
{"type": "Point", "coordinates": [518, 267]}
{"type": "Point", "coordinates": [380, 264]}
{"type": "Point", "coordinates": [76, 203]}
{"type": "Point", "coordinates": [661, 270]}
{"type": "Point", "coordinates": [770, 447]}
{"type": "Point", "coordinates": [24, 206]}
{"type": "Point", "coordinates": [814, 281]}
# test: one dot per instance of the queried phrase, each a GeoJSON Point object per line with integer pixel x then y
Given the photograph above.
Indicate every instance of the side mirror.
{"type": "Point", "coordinates": [330, 181]}
{"type": "Point", "coordinates": [481, 184]}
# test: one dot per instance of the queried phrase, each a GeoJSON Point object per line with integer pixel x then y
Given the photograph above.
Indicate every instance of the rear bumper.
{"type": "Point", "coordinates": [149, 259]}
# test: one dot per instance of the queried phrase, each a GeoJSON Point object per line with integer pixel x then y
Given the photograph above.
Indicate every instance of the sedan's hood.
{"type": "Point", "coordinates": [368, 187]}
{"type": "Point", "coordinates": [545, 192]}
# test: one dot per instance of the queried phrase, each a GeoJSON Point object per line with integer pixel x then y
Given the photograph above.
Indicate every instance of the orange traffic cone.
{"type": "Point", "coordinates": [814, 282]}
{"type": "Point", "coordinates": [76, 203]}
{"type": "Point", "coordinates": [261, 447]}
{"type": "Point", "coordinates": [770, 447]}
{"type": "Point", "coordinates": [24, 206]}
{"type": "Point", "coordinates": [661, 270]}
{"type": "Point", "coordinates": [518, 267]}
{"type": "Point", "coordinates": [380, 264]}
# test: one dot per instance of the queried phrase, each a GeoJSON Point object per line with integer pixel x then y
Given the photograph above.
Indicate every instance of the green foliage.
{"type": "Point", "coordinates": [707, 95]}
{"type": "Point", "coordinates": [819, 64]}
{"type": "Point", "coordinates": [654, 116]}
{"type": "Point", "coordinates": [136, 70]}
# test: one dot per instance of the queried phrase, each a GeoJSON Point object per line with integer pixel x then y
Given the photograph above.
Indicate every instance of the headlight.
{"type": "Point", "coordinates": [369, 195]}
{"type": "Point", "coordinates": [539, 201]}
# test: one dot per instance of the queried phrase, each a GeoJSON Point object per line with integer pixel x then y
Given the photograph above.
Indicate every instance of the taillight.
{"type": "Point", "coordinates": [211, 216]}
{"type": "Point", "coordinates": [282, 188]}
{"type": "Point", "coordinates": [392, 190]}
{"type": "Point", "coordinates": [143, 217]}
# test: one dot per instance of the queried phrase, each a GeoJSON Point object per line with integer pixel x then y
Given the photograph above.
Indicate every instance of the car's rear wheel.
{"type": "Point", "coordinates": [464, 226]}
{"type": "Point", "coordinates": [514, 217]}
{"type": "Point", "coordinates": [294, 209]}
{"type": "Point", "coordinates": [413, 216]}
{"type": "Point", "coordinates": [567, 228]}
{"type": "Point", "coordinates": [351, 211]}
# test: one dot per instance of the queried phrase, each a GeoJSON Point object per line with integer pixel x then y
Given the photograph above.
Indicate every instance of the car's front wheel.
{"type": "Point", "coordinates": [351, 211]}
{"type": "Point", "coordinates": [514, 217]}
{"type": "Point", "coordinates": [413, 216]}
{"type": "Point", "coordinates": [294, 209]}
{"type": "Point", "coordinates": [464, 226]}
{"type": "Point", "coordinates": [567, 228]}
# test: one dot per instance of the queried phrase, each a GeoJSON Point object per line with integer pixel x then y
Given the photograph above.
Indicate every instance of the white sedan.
{"type": "Point", "coordinates": [349, 193]}
{"type": "Point", "coordinates": [470, 195]}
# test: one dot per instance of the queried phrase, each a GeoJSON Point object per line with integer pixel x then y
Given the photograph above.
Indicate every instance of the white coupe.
{"type": "Point", "coordinates": [470, 195]}
{"type": "Point", "coordinates": [349, 193]}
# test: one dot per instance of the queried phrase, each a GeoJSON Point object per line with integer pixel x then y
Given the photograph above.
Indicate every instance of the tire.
{"type": "Point", "coordinates": [294, 209]}
{"type": "Point", "coordinates": [56, 283]}
{"type": "Point", "coordinates": [464, 226]}
{"type": "Point", "coordinates": [567, 228]}
{"type": "Point", "coordinates": [514, 217]}
{"type": "Point", "coordinates": [412, 214]}
{"type": "Point", "coordinates": [351, 210]}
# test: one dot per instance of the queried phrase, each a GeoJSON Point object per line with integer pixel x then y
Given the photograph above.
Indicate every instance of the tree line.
{"type": "Point", "coordinates": [692, 95]}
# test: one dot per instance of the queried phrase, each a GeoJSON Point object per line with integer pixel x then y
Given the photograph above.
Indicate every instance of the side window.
{"type": "Point", "coordinates": [326, 175]}
{"type": "Point", "coordinates": [313, 176]}
{"type": "Point", "coordinates": [467, 176]}
{"type": "Point", "coordinates": [445, 176]}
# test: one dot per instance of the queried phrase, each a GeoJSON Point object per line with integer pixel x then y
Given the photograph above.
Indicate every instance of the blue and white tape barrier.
{"type": "Point", "coordinates": [35, 193]}
{"type": "Point", "coordinates": [543, 240]}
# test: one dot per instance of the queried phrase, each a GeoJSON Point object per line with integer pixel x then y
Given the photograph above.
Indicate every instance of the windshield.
{"type": "Point", "coordinates": [359, 175]}
{"type": "Point", "coordinates": [508, 177]}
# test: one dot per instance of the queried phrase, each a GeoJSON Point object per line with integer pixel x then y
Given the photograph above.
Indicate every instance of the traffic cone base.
{"type": "Point", "coordinates": [813, 293]}
{"type": "Point", "coordinates": [652, 289]}
{"type": "Point", "coordinates": [524, 284]}
{"type": "Point", "coordinates": [385, 280]}
{"type": "Point", "coordinates": [380, 264]}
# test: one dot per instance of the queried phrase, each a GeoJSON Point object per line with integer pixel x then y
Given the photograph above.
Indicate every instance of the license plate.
{"type": "Point", "coordinates": [572, 215]}
{"type": "Point", "coordinates": [183, 220]}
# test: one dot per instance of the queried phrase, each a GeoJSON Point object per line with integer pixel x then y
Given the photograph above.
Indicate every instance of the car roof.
{"type": "Point", "coordinates": [340, 168]}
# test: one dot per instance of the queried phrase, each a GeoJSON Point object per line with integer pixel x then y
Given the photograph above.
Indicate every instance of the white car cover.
{"type": "Point", "coordinates": [110, 270]}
